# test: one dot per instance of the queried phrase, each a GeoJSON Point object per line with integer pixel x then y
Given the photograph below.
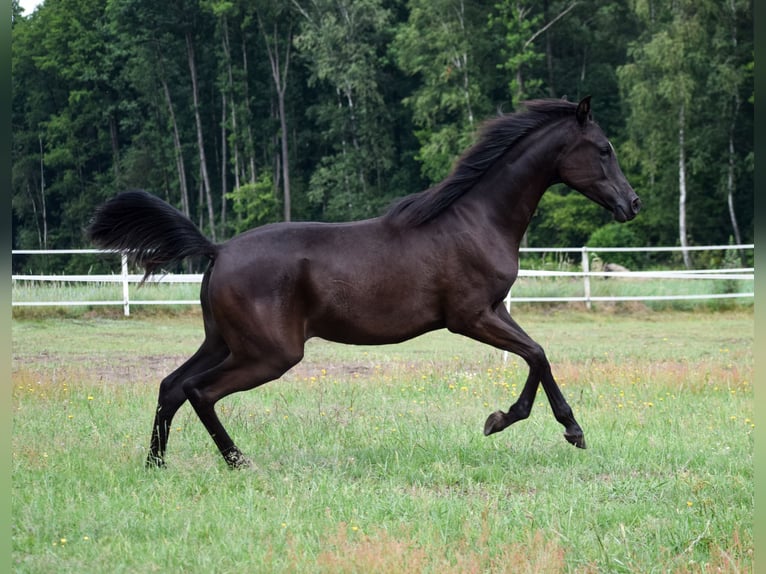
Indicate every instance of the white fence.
{"type": "Point", "coordinates": [742, 273]}
{"type": "Point", "coordinates": [125, 278]}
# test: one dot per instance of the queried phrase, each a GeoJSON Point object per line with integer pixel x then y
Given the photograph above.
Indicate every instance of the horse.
{"type": "Point", "coordinates": [445, 257]}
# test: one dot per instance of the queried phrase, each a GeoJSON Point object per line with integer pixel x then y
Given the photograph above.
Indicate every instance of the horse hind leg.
{"type": "Point", "coordinates": [234, 374]}
{"type": "Point", "coordinates": [171, 395]}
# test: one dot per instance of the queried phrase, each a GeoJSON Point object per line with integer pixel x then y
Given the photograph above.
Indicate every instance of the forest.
{"type": "Point", "coordinates": [245, 112]}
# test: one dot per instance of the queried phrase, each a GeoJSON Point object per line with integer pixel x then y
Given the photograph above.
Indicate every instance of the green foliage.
{"type": "Point", "coordinates": [520, 23]}
{"type": "Point", "coordinates": [254, 204]}
{"type": "Point", "coordinates": [618, 235]}
{"type": "Point", "coordinates": [565, 218]}
{"type": "Point", "coordinates": [689, 59]}
{"type": "Point", "coordinates": [380, 98]}
{"type": "Point", "coordinates": [441, 44]}
{"type": "Point", "coordinates": [731, 260]}
{"type": "Point", "coordinates": [342, 45]}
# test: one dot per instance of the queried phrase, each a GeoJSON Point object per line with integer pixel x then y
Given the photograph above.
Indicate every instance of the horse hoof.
{"type": "Point", "coordinates": [495, 423]}
{"type": "Point", "coordinates": [576, 439]}
{"type": "Point", "coordinates": [235, 459]}
{"type": "Point", "coordinates": [154, 462]}
{"type": "Point", "coordinates": [242, 462]}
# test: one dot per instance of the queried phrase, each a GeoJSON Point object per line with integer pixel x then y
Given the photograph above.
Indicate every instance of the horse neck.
{"type": "Point", "coordinates": [507, 196]}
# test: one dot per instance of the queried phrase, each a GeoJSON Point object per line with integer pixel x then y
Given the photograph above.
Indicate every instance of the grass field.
{"type": "Point", "coordinates": [372, 459]}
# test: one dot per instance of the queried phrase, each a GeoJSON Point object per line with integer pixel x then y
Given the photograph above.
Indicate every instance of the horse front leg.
{"type": "Point", "coordinates": [496, 327]}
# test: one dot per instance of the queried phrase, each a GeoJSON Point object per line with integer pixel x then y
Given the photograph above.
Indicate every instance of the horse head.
{"type": "Point", "coordinates": [589, 165]}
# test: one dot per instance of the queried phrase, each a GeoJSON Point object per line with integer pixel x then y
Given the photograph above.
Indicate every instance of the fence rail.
{"type": "Point", "coordinates": [125, 278]}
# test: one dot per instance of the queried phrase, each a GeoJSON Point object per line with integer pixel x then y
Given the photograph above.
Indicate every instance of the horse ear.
{"type": "Point", "coordinates": [583, 111]}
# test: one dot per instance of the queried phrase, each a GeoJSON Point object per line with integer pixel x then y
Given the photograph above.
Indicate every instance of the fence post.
{"type": "Point", "coordinates": [586, 276]}
{"type": "Point", "coordinates": [125, 290]}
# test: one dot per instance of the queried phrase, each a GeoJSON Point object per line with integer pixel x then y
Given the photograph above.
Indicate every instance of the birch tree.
{"type": "Point", "coordinates": [661, 83]}
{"type": "Point", "coordinates": [683, 88]}
{"type": "Point", "coordinates": [442, 44]}
{"type": "Point", "coordinates": [341, 43]}
{"type": "Point", "coordinates": [275, 21]}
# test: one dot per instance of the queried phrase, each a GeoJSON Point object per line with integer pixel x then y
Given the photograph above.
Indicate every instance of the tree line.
{"type": "Point", "coordinates": [242, 113]}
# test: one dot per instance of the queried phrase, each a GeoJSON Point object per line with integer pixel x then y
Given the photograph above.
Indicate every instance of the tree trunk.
{"type": "Point", "coordinates": [178, 152]}
{"type": "Point", "coordinates": [549, 54]}
{"type": "Point", "coordinates": [518, 97]}
{"type": "Point", "coordinates": [115, 148]}
{"type": "Point", "coordinates": [279, 75]}
{"type": "Point", "coordinates": [36, 217]}
{"type": "Point", "coordinates": [730, 186]}
{"type": "Point", "coordinates": [250, 140]}
{"type": "Point", "coordinates": [43, 209]}
{"type": "Point", "coordinates": [228, 101]}
{"type": "Point", "coordinates": [235, 151]}
{"type": "Point", "coordinates": [544, 29]}
{"type": "Point", "coordinates": [200, 201]}
{"type": "Point", "coordinates": [285, 161]}
{"type": "Point", "coordinates": [354, 139]}
{"type": "Point", "coordinates": [224, 162]}
{"type": "Point", "coordinates": [682, 189]}
{"type": "Point", "coordinates": [200, 140]}
{"type": "Point", "coordinates": [730, 181]}
{"type": "Point", "coordinates": [461, 63]}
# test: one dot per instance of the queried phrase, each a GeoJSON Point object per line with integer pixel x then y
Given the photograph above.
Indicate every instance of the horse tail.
{"type": "Point", "coordinates": [150, 231]}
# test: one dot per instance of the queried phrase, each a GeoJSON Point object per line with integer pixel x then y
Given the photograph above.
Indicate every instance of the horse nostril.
{"type": "Point", "coordinates": [636, 205]}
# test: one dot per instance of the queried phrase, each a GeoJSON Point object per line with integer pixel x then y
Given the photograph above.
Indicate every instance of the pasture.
{"type": "Point", "coordinates": [372, 459]}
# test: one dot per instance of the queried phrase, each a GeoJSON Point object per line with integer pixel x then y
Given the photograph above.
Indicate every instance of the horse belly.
{"type": "Point", "coordinates": [354, 315]}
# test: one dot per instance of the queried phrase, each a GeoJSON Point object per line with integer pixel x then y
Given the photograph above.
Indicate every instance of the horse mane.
{"type": "Point", "coordinates": [496, 136]}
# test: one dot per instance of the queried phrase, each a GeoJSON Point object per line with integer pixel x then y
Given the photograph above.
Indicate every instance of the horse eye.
{"type": "Point", "coordinates": [606, 151]}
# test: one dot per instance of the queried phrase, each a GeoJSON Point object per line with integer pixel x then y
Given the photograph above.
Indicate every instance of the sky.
{"type": "Point", "coordinates": [29, 5]}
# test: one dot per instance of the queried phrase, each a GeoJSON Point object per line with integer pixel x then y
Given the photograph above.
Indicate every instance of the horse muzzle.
{"type": "Point", "coordinates": [626, 213]}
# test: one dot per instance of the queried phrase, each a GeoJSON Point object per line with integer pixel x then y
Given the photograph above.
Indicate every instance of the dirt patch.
{"type": "Point", "coordinates": [49, 366]}
{"type": "Point", "coordinates": [151, 369]}
{"type": "Point", "coordinates": [307, 370]}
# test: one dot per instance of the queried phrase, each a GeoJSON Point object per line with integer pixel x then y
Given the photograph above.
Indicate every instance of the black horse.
{"type": "Point", "coordinates": [445, 257]}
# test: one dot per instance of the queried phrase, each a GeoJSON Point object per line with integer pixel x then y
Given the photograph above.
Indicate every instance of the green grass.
{"type": "Point", "coordinates": [372, 459]}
